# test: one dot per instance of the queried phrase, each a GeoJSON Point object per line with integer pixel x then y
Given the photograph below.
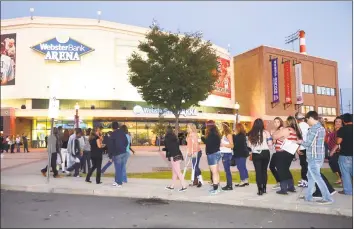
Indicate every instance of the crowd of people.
{"type": "Point", "coordinates": [300, 134]}
{"type": "Point", "coordinates": [10, 143]}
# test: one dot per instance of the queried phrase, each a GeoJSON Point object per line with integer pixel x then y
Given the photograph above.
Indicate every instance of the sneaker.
{"type": "Point", "coordinates": [77, 176]}
{"type": "Point", "coordinates": [280, 192]}
{"type": "Point", "coordinates": [324, 202]}
{"type": "Point", "coordinates": [182, 190]}
{"type": "Point", "coordinates": [334, 192]}
{"type": "Point", "coordinates": [277, 186]}
{"type": "Point", "coordinates": [302, 185]}
{"type": "Point", "coordinates": [213, 192]}
{"type": "Point", "coordinates": [227, 188]}
{"type": "Point", "coordinates": [169, 188]}
{"type": "Point", "coordinates": [115, 184]}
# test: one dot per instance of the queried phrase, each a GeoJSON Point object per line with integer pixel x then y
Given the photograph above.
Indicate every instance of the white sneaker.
{"type": "Point", "coordinates": [334, 192]}
{"type": "Point", "coordinates": [277, 186]}
{"type": "Point", "coordinates": [115, 184]}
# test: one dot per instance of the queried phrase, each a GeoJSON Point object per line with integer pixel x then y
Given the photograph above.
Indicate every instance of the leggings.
{"type": "Point", "coordinates": [176, 172]}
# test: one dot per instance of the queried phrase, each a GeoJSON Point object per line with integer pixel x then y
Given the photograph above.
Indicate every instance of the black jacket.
{"type": "Point", "coordinates": [172, 145]}
{"type": "Point", "coordinates": [117, 143]}
{"type": "Point", "coordinates": [240, 145]}
{"type": "Point", "coordinates": [212, 143]}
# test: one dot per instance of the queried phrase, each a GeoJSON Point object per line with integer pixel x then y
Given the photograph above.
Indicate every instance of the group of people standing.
{"type": "Point", "coordinates": [12, 142]}
{"type": "Point", "coordinates": [76, 150]}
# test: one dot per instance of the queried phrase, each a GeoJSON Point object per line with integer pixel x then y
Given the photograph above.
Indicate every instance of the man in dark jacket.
{"type": "Point", "coordinates": [117, 151]}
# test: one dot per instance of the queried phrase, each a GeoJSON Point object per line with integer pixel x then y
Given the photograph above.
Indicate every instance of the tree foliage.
{"type": "Point", "coordinates": [177, 71]}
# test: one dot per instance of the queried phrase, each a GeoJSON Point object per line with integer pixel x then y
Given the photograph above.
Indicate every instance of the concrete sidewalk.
{"type": "Point", "coordinates": [25, 179]}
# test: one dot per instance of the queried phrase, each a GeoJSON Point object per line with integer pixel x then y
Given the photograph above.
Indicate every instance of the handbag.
{"type": "Point", "coordinates": [233, 161]}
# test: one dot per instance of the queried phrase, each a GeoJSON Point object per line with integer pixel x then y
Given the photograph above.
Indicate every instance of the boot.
{"type": "Point", "coordinates": [264, 188]}
{"type": "Point", "coordinates": [260, 190]}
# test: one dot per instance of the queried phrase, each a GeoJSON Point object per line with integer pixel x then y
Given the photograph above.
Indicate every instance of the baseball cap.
{"type": "Point", "coordinates": [299, 116]}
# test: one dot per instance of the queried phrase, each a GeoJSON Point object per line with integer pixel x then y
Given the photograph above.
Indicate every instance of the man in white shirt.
{"type": "Point", "coordinates": [304, 127]}
{"type": "Point", "coordinates": [73, 158]}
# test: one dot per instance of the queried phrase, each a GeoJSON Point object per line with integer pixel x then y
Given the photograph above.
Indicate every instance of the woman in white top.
{"type": "Point", "coordinates": [18, 144]}
{"type": "Point", "coordinates": [226, 146]}
{"type": "Point", "coordinates": [259, 140]}
{"type": "Point", "coordinates": [195, 152]}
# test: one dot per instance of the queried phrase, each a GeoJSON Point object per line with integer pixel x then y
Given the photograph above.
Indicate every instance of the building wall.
{"type": "Point", "coordinates": [105, 69]}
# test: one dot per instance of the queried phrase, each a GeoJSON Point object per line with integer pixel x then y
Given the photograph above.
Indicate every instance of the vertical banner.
{"type": "Point", "coordinates": [287, 82]}
{"type": "Point", "coordinates": [8, 58]}
{"type": "Point", "coordinates": [275, 84]}
{"type": "Point", "coordinates": [298, 77]}
{"type": "Point", "coordinates": [223, 83]}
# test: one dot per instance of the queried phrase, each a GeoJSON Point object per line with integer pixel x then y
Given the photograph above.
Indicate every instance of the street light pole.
{"type": "Point", "coordinates": [237, 107]}
{"type": "Point", "coordinates": [77, 107]}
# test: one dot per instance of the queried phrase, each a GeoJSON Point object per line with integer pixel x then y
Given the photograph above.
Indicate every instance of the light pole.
{"type": "Point", "coordinates": [99, 15]}
{"type": "Point", "coordinates": [77, 107]}
{"type": "Point", "coordinates": [237, 107]}
{"type": "Point", "coordinates": [31, 11]}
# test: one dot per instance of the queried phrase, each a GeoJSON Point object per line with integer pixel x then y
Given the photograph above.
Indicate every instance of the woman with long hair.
{"type": "Point", "coordinates": [212, 142]}
{"type": "Point", "coordinates": [226, 146]}
{"type": "Point", "coordinates": [64, 150]}
{"type": "Point", "coordinates": [332, 146]}
{"type": "Point", "coordinates": [174, 155]}
{"type": "Point", "coordinates": [195, 152]}
{"type": "Point", "coordinates": [96, 155]}
{"type": "Point", "coordinates": [240, 154]}
{"type": "Point", "coordinates": [259, 140]}
{"type": "Point", "coordinates": [278, 125]}
{"type": "Point", "coordinates": [290, 132]}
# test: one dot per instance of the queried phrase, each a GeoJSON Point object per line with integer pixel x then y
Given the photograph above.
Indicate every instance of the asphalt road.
{"type": "Point", "coordinates": [39, 210]}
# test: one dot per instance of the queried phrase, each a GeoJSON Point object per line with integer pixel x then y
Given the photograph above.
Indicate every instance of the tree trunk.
{"type": "Point", "coordinates": [159, 142]}
{"type": "Point", "coordinates": [177, 124]}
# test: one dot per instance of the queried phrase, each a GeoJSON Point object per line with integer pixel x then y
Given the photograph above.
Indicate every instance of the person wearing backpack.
{"type": "Point", "coordinates": [85, 160]}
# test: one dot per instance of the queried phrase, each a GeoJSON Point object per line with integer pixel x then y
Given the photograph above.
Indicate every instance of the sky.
{"type": "Point", "coordinates": [243, 25]}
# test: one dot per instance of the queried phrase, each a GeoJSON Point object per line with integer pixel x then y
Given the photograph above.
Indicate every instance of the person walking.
{"type": "Point", "coordinates": [240, 154]}
{"type": "Point", "coordinates": [315, 154]}
{"type": "Point", "coordinates": [54, 149]}
{"type": "Point", "coordinates": [226, 146]}
{"type": "Point", "coordinates": [304, 127]}
{"type": "Point", "coordinates": [96, 151]}
{"type": "Point", "coordinates": [64, 150]}
{"type": "Point", "coordinates": [332, 145]}
{"type": "Point", "coordinates": [259, 140]}
{"type": "Point", "coordinates": [175, 157]}
{"type": "Point", "coordinates": [75, 151]}
{"type": "Point", "coordinates": [25, 143]}
{"type": "Point", "coordinates": [125, 130]}
{"type": "Point", "coordinates": [212, 142]}
{"type": "Point", "coordinates": [117, 148]}
{"type": "Point", "coordinates": [86, 158]}
{"type": "Point", "coordinates": [278, 124]}
{"type": "Point", "coordinates": [194, 151]}
{"type": "Point", "coordinates": [345, 160]}
{"type": "Point", "coordinates": [291, 132]}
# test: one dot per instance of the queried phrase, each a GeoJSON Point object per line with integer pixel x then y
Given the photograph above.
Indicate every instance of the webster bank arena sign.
{"type": "Point", "coordinates": [62, 49]}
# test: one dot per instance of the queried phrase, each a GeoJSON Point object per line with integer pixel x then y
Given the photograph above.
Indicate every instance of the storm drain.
{"type": "Point", "coordinates": [152, 201]}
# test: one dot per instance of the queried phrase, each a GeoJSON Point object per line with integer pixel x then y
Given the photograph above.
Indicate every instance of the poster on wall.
{"type": "Point", "coordinates": [223, 83]}
{"type": "Point", "coordinates": [8, 59]}
{"type": "Point", "coordinates": [287, 82]}
{"type": "Point", "coordinates": [275, 83]}
{"type": "Point", "coordinates": [298, 78]}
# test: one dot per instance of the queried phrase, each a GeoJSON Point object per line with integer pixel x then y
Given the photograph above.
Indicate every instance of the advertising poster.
{"type": "Point", "coordinates": [298, 77]}
{"type": "Point", "coordinates": [287, 82]}
{"type": "Point", "coordinates": [8, 59]}
{"type": "Point", "coordinates": [275, 82]}
{"type": "Point", "coordinates": [223, 83]}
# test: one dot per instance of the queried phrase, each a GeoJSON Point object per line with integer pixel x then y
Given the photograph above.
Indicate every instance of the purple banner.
{"type": "Point", "coordinates": [275, 84]}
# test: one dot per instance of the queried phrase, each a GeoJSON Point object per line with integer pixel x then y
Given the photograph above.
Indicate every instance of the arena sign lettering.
{"type": "Point", "coordinates": [62, 49]}
{"type": "Point", "coordinates": [146, 110]}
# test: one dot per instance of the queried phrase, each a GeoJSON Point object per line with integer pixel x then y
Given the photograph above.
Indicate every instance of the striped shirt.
{"type": "Point", "coordinates": [291, 137]}
{"type": "Point", "coordinates": [314, 143]}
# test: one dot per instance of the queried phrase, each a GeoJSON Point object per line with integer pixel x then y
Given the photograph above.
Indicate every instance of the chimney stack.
{"type": "Point", "coordinates": [302, 42]}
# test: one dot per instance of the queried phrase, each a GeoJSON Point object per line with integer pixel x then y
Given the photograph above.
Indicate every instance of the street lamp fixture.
{"type": "Point", "coordinates": [31, 11]}
{"type": "Point", "coordinates": [99, 15]}
{"type": "Point", "coordinates": [77, 107]}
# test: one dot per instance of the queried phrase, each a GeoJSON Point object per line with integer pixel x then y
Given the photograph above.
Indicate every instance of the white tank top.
{"type": "Point", "coordinates": [224, 140]}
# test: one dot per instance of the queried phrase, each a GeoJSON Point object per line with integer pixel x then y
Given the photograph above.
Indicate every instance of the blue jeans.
{"type": "Point", "coordinates": [107, 165]}
{"type": "Point", "coordinates": [241, 166]}
{"type": "Point", "coordinates": [314, 176]}
{"type": "Point", "coordinates": [346, 169]}
{"type": "Point", "coordinates": [125, 180]}
{"type": "Point", "coordinates": [226, 161]}
{"type": "Point", "coordinates": [214, 158]}
{"type": "Point", "coordinates": [195, 163]}
{"type": "Point", "coordinates": [119, 167]}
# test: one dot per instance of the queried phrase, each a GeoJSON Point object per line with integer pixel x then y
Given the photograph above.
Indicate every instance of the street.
{"type": "Point", "coordinates": [41, 210]}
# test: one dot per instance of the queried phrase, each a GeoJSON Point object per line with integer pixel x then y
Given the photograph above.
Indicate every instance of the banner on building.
{"type": "Point", "coordinates": [275, 82]}
{"type": "Point", "coordinates": [298, 77]}
{"type": "Point", "coordinates": [223, 83]}
{"type": "Point", "coordinates": [287, 82]}
{"type": "Point", "coordinates": [8, 59]}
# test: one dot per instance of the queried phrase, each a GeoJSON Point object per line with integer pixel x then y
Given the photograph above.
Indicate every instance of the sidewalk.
{"type": "Point", "coordinates": [25, 178]}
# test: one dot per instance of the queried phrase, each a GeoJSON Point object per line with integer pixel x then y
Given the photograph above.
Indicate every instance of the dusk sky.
{"type": "Point", "coordinates": [243, 25]}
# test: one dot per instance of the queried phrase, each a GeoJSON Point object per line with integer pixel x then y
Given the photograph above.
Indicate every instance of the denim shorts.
{"type": "Point", "coordinates": [214, 158]}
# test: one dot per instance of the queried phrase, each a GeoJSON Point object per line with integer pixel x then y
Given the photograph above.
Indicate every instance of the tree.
{"type": "Point", "coordinates": [159, 129]}
{"type": "Point", "coordinates": [178, 71]}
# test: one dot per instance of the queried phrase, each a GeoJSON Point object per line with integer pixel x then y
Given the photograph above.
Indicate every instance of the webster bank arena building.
{"type": "Point", "coordinates": [84, 62]}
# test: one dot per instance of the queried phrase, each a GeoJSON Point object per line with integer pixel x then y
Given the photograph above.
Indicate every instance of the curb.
{"type": "Point", "coordinates": [304, 208]}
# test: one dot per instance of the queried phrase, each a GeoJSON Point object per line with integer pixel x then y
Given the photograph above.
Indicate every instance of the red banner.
{"type": "Point", "coordinates": [223, 84]}
{"type": "Point", "coordinates": [287, 82]}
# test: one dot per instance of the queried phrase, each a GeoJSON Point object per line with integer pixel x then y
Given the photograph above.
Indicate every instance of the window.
{"type": "Point", "coordinates": [306, 88]}
{"type": "Point", "coordinates": [331, 111]}
{"type": "Point", "coordinates": [326, 91]}
{"type": "Point", "coordinates": [305, 109]}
